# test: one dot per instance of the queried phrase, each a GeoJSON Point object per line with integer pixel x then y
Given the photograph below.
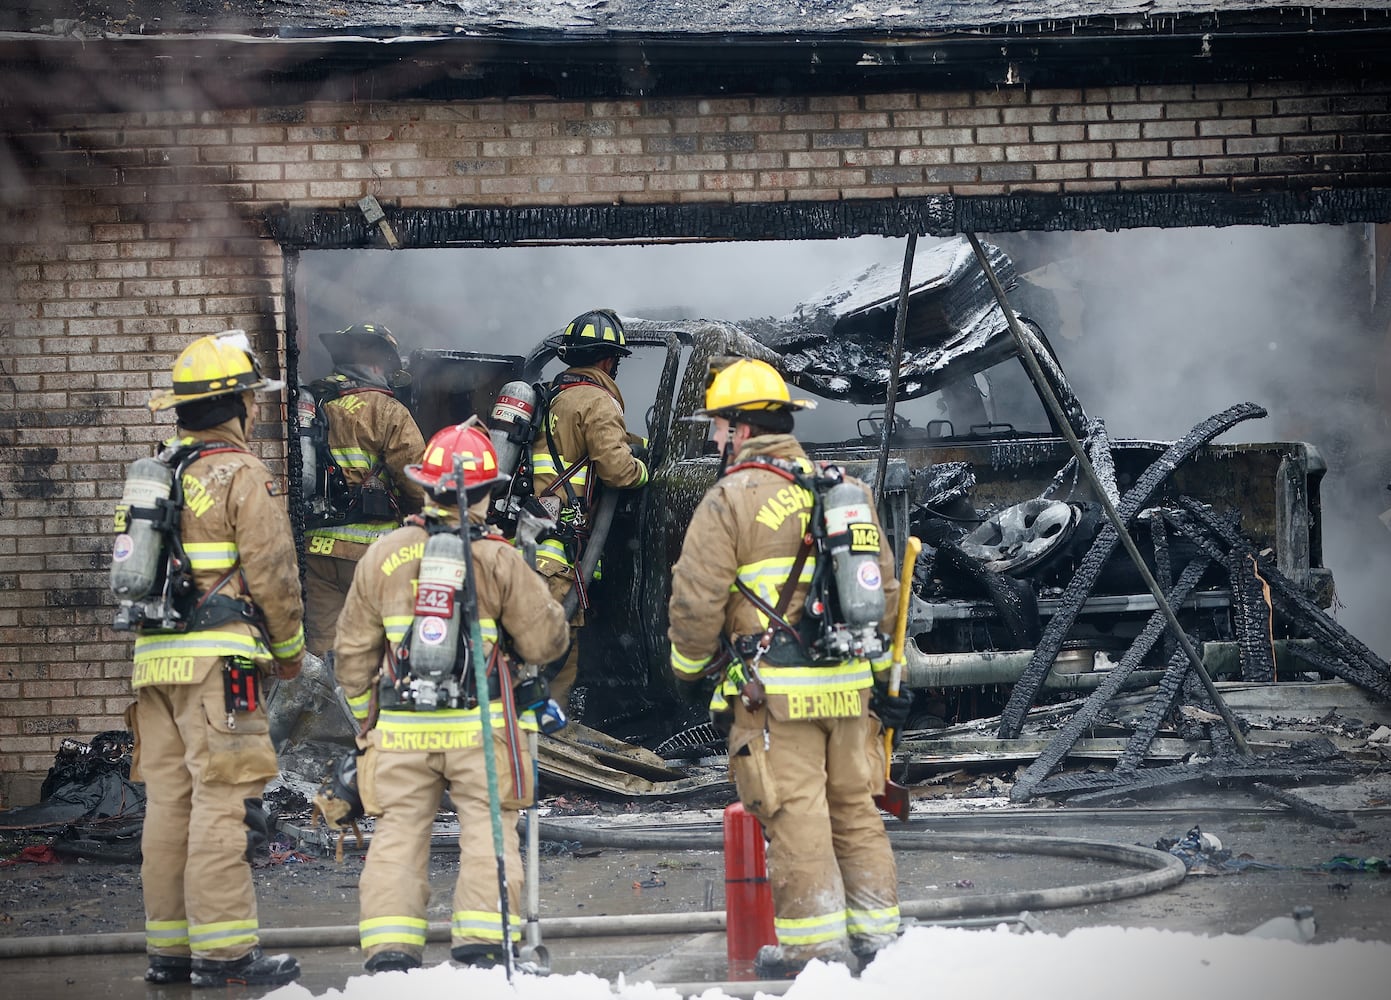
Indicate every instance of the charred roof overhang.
{"type": "Point", "coordinates": [132, 72]}
{"type": "Point", "coordinates": [336, 229]}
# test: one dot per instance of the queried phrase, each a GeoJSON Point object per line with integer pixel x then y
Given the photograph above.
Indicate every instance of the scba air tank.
{"type": "Point", "coordinates": [307, 411]}
{"type": "Point", "coordinates": [439, 614]}
{"type": "Point", "coordinates": [510, 424]}
{"type": "Point", "coordinates": [137, 554]}
{"type": "Point", "coordinates": [852, 539]}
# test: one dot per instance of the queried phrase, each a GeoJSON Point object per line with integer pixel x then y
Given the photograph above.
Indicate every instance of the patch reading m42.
{"type": "Point", "coordinates": [864, 538]}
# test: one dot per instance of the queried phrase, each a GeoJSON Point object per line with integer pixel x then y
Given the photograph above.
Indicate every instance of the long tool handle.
{"type": "Point", "coordinates": [895, 366]}
{"type": "Point", "coordinates": [533, 856]}
{"type": "Point", "coordinates": [905, 594]}
{"type": "Point", "coordinates": [480, 688]}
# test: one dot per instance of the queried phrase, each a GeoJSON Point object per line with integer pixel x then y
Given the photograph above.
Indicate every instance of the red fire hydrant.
{"type": "Point", "coordinates": [748, 896]}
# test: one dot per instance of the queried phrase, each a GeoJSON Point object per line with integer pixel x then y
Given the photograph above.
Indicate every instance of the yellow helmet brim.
{"type": "Point", "coordinates": [163, 399]}
{"type": "Point", "coordinates": [791, 405]}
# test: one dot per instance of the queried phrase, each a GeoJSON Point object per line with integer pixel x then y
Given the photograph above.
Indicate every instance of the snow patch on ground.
{"type": "Point", "coordinates": [1097, 963]}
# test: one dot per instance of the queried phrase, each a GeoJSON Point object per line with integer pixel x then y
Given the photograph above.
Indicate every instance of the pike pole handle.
{"type": "Point", "coordinates": [905, 594]}
{"type": "Point", "coordinates": [480, 688]}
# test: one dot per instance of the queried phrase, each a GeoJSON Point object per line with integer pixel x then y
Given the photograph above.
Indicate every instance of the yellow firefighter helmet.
{"type": "Point", "coordinates": [216, 365]}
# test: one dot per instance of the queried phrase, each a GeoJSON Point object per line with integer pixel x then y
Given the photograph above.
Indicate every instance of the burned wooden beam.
{"type": "Point", "coordinates": [1253, 618]}
{"type": "Point", "coordinates": [1158, 709]}
{"type": "Point", "coordinates": [1313, 760]}
{"type": "Point", "coordinates": [1352, 660]}
{"type": "Point", "coordinates": [1080, 586]}
{"type": "Point", "coordinates": [1311, 811]}
{"type": "Point", "coordinates": [1083, 718]}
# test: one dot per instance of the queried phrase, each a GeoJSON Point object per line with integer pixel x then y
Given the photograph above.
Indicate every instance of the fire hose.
{"type": "Point", "coordinates": [1158, 870]}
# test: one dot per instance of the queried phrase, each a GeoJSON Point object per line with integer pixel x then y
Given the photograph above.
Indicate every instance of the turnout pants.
{"type": "Point", "coordinates": [832, 870]}
{"type": "Point", "coordinates": [203, 783]}
{"type": "Point", "coordinates": [326, 583]}
{"type": "Point", "coordinates": [395, 888]}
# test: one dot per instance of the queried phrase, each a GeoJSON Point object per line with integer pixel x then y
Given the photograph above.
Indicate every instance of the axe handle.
{"type": "Point", "coordinates": [905, 593]}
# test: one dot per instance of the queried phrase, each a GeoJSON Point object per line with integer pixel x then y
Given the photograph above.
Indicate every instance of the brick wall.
{"type": "Point", "coordinates": [134, 233]}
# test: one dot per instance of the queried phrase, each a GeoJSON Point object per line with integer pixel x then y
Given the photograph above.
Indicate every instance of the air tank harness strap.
{"type": "Point", "coordinates": [751, 690]}
{"type": "Point", "coordinates": [179, 454]}
{"type": "Point", "coordinates": [219, 609]}
{"type": "Point", "coordinates": [562, 382]}
{"type": "Point", "coordinates": [781, 466]}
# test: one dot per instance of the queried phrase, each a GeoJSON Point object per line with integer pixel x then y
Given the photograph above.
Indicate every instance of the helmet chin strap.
{"type": "Point", "coordinates": [727, 452]}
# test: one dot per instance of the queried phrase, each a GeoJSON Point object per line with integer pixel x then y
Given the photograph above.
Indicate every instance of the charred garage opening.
{"type": "Point", "coordinates": [1021, 597]}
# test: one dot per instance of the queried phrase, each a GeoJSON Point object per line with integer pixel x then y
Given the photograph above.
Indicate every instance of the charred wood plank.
{"type": "Point", "coordinates": [1320, 661]}
{"type": "Point", "coordinates": [1311, 760]}
{"type": "Point", "coordinates": [1083, 718]}
{"type": "Point", "coordinates": [1311, 811]}
{"type": "Point", "coordinates": [1222, 745]}
{"type": "Point", "coordinates": [1158, 709]}
{"type": "Point", "coordinates": [1351, 660]}
{"type": "Point", "coordinates": [1163, 567]}
{"type": "Point", "coordinates": [1252, 615]}
{"type": "Point", "coordinates": [1100, 787]}
{"type": "Point", "coordinates": [1098, 446]}
{"type": "Point", "coordinates": [1082, 582]}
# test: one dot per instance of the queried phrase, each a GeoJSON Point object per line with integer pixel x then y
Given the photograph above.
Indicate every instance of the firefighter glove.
{"type": "Point", "coordinates": [641, 452]}
{"type": "Point", "coordinates": [288, 669]}
{"type": "Point", "coordinates": [892, 709]}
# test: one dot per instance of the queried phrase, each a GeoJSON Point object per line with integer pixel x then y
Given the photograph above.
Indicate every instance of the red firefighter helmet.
{"type": "Point", "coordinates": [469, 444]}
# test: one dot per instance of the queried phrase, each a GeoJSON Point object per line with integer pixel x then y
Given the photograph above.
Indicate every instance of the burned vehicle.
{"type": "Point", "coordinates": [1019, 592]}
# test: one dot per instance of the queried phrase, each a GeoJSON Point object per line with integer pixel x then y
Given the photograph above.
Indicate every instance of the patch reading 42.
{"type": "Point", "coordinates": [434, 599]}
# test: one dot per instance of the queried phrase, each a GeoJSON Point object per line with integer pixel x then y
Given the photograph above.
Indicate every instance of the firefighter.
{"type": "Point", "coordinates": [804, 751]}
{"type": "Point", "coordinates": [204, 757]}
{"type": "Point", "coordinates": [371, 439]}
{"type": "Point", "coordinates": [583, 443]}
{"type": "Point", "coordinates": [412, 754]}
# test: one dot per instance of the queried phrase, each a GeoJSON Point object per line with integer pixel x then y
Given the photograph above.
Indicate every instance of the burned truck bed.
{"type": "Point", "coordinates": [1020, 595]}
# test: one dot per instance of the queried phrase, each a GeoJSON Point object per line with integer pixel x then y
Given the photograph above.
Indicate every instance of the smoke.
{"type": "Point", "coordinates": [506, 300]}
{"type": "Point", "coordinates": [1157, 330]}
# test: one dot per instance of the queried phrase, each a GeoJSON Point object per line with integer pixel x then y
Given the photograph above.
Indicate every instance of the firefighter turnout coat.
{"type": "Point", "coordinates": [585, 418]}
{"type": "Point", "coordinates": [411, 757]}
{"type": "Point", "coordinates": [372, 438]}
{"type": "Point", "coordinates": [203, 765]}
{"type": "Point", "coordinates": [585, 421]}
{"type": "Point", "coordinates": [809, 760]}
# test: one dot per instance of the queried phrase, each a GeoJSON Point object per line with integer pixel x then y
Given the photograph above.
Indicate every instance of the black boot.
{"type": "Point", "coordinates": [391, 961]}
{"type": "Point", "coordinates": [255, 968]}
{"type": "Point", "coordinates": [774, 962]}
{"type": "Point", "coordinates": [485, 956]}
{"type": "Point", "coordinates": [165, 969]}
{"type": "Point", "coordinates": [866, 948]}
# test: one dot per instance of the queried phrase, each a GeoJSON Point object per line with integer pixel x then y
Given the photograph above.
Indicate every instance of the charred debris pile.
{"type": "Point", "coordinates": [1026, 585]}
